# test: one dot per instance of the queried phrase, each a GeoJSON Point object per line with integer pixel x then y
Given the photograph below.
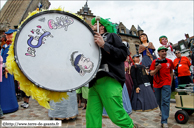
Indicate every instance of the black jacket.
{"type": "Point", "coordinates": [114, 54]}
{"type": "Point", "coordinates": [139, 75]}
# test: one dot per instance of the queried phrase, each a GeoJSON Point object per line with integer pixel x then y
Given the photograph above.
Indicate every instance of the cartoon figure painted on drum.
{"type": "Point", "coordinates": [82, 64]}
{"type": "Point", "coordinates": [60, 23]}
{"type": "Point", "coordinates": [41, 40]}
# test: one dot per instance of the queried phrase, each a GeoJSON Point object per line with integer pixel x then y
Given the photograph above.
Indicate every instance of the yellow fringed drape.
{"type": "Point", "coordinates": [39, 94]}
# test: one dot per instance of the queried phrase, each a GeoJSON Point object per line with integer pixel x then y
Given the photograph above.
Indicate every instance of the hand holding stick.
{"type": "Point", "coordinates": [97, 19]}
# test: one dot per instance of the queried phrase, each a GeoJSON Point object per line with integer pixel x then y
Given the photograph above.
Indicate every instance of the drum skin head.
{"type": "Point", "coordinates": [56, 51]}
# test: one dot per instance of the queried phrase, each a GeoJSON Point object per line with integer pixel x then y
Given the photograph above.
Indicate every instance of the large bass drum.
{"type": "Point", "coordinates": [56, 51]}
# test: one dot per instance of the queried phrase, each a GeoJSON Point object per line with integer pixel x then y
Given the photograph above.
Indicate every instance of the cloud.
{"type": "Point", "coordinates": [156, 18]}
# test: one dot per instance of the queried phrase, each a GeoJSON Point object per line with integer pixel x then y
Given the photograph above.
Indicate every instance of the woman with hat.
{"type": "Point", "coordinates": [143, 98]}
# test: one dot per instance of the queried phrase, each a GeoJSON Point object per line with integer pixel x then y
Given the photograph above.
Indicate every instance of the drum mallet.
{"type": "Point", "coordinates": [97, 19]}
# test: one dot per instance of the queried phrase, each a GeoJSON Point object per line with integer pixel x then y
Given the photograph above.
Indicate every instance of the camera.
{"type": "Point", "coordinates": [160, 61]}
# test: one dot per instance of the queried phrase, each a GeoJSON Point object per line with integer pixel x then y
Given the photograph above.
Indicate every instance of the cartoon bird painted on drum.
{"type": "Point", "coordinates": [41, 40]}
{"type": "Point", "coordinates": [82, 64]}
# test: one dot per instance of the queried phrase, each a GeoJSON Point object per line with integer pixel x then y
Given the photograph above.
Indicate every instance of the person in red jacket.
{"type": "Point", "coordinates": [162, 70]}
{"type": "Point", "coordinates": [183, 64]}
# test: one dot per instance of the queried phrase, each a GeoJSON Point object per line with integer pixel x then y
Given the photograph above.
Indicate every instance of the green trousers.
{"type": "Point", "coordinates": [106, 92]}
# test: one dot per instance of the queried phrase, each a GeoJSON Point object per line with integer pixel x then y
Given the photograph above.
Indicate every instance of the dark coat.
{"type": "Point", "coordinates": [139, 75]}
{"type": "Point", "coordinates": [114, 54]}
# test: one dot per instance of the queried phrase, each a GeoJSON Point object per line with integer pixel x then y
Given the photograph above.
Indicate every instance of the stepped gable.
{"type": "Point", "coordinates": [85, 10]}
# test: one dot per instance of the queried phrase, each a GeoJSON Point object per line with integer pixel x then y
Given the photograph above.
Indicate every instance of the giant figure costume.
{"type": "Point", "coordinates": [106, 88]}
{"type": "Point", "coordinates": [170, 53]}
{"type": "Point", "coordinates": [8, 100]}
{"type": "Point", "coordinates": [147, 52]}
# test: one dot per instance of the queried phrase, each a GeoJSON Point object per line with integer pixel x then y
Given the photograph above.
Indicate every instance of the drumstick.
{"type": "Point", "coordinates": [97, 19]}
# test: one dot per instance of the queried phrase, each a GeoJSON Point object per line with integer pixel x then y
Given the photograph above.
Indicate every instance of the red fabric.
{"type": "Point", "coordinates": [126, 64]}
{"type": "Point", "coordinates": [183, 69]}
{"type": "Point", "coordinates": [129, 84]}
{"type": "Point", "coordinates": [163, 77]}
{"type": "Point", "coordinates": [131, 59]}
{"type": "Point", "coordinates": [171, 48]}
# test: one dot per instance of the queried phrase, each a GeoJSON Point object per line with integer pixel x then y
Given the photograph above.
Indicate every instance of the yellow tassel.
{"type": "Point", "coordinates": [39, 94]}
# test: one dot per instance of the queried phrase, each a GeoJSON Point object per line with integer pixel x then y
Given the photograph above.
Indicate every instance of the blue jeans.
{"type": "Point", "coordinates": [163, 99]}
{"type": "Point", "coordinates": [1, 112]}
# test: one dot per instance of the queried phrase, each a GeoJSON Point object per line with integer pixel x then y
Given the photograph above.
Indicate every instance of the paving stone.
{"type": "Point", "coordinates": [71, 123]}
{"type": "Point", "coordinates": [176, 126]}
{"type": "Point", "coordinates": [143, 119]}
{"type": "Point", "coordinates": [84, 123]}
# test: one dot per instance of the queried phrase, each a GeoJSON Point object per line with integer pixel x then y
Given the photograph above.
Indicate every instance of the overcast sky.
{"type": "Point", "coordinates": [156, 18]}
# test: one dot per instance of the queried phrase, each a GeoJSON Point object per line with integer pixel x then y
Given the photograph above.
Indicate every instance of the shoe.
{"type": "Point", "coordinates": [2, 117]}
{"type": "Point", "coordinates": [26, 105]}
{"type": "Point", "coordinates": [22, 105]}
{"type": "Point", "coordinates": [165, 125]}
{"type": "Point", "coordinates": [80, 106]}
{"type": "Point", "coordinates": [83, 108]}
{"type": "Point", "coordinates": [105, 116]}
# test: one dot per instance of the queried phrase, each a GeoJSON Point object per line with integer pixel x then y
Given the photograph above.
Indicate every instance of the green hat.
{"type": "Point", "coordinates": [163, 37]}
{"type": "Point", "coordinates": [162, 48]}
{"type": "Point", "coordinates": [109, 26]}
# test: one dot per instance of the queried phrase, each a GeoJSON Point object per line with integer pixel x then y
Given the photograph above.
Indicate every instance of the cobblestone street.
{"type": "Point", "coordinates": [143, 119]}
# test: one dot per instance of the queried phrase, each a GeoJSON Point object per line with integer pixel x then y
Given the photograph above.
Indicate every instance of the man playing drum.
{"type": "Point", "coordinates": [106, 88]}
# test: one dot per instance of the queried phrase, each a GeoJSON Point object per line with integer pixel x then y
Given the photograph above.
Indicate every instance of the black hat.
{"type": "Point", "coordinates": [136, 55]}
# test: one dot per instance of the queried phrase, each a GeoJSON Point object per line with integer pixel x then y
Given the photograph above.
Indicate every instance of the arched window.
{"type": "Point", "coordinates": [123, 31]}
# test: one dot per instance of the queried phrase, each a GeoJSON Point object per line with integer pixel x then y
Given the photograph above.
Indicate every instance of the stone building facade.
{"type": "Point", "coordinates": [184, 45]}
{"type": "Point", "coordinates": [15, 11]}
{"type": "Point", "coordinates": [131, 36]}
